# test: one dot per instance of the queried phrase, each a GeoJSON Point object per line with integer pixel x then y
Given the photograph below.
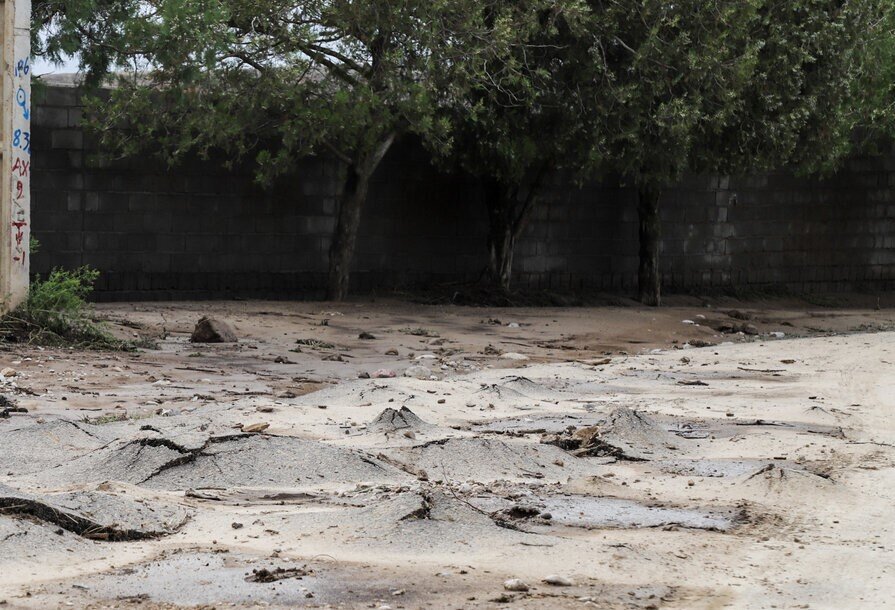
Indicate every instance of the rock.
{"type": "Point", "coordinates": [514, 356]}
{"type": "Point", "coordinates": [236, 525]}
{"type": "Point", "coordinates": [515, 584]}
{"type": "Point", "coordinates": [749, 329]}
{"type": "Point", "coordinates": [8, 372]}
{"type": "Point", "coordinates": [382, 374]}
{"type": "Point", "coordinates": [365, 336]}
{"type": "Point", "coordinates": [778, 335]}
{"type": "Point", "coordinates": [210, 330]}
{"type": "Point", "coordinates": [259, 427]}
{"type": "Point", "coordinates": [522, 511]}
{"type": "Point", "coordinates": [391, 352]}
{"type": "Point", "coordinates": [558, 581]}
{"type": "Point", "coordinates": [739, 315]}
{"type": "Point", "coordinates": [418, 372]}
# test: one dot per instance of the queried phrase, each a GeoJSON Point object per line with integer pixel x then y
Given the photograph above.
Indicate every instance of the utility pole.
{"type": "Point", "coordinates": [15, 152]}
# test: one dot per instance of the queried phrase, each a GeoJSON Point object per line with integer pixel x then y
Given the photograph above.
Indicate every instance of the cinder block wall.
{"type": "Point", "coordinates": [202, 231]}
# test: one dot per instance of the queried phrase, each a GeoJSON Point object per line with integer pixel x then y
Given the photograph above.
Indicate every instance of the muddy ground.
{"type": "Point", "coordinates": [380, 454]}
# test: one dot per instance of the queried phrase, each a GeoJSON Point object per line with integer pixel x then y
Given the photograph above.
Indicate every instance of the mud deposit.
{"type": "Point", "coordinates": [459, 458]}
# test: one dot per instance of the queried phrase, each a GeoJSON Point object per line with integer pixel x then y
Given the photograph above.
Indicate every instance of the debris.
{"type": "Point", "coordinates": [696, 382]}
{"type": "Point", "coordinates": [515, 584]}
{"type": "Point", "coordinates": [211, 330]}
{"type": "Point", "coordinates": [266, 576]}
{"type": "Point", "coordinates": [625, 434]}
{"type": "Point", "coordinates": [314, 343]}
{"type": "Point", "coordinates": [282, 360]}
{"type": "Point", "coordinates": [420, 332]}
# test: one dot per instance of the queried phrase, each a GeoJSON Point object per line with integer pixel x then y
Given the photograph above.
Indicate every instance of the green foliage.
{"type": "Point", "coordinates": [873, 91]}
{"type": "Point", "coordinates": [724, 85]}
{"type": "Point", "coordinates": [272, 79]}
{"type": "Point", "coordinates": [56, 313]}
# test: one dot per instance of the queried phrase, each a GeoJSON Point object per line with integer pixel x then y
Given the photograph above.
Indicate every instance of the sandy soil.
{"type": "Point", "coordinates": [636, 458]}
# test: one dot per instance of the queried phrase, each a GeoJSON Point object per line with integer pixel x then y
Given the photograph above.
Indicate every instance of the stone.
{"type": "Point", "coordinates": [418, 372]}
{"type": "Point", "coordinates": [259, 427]}
{"type": "Point", "coordinates": [210, 330]}
{"type": "Point", "coordinates": [8, 372]}
{"type": "Point", "coordinates": [558, 581]}
{"type": "Point", "coordinates": [515, 584]}
{"type": "Point", "coordinates": [514, 356]}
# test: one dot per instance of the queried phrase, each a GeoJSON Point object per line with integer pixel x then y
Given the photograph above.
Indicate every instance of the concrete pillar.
{"type": "Point", "coordinates": [15, 152]}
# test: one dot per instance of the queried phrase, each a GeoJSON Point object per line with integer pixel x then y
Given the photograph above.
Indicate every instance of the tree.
{"type": "Point", "coordinates": [514, 129]}
{"type": "Point", "coordinates": [279, 80]}
{"type": "Point", "coordinates": [719, 86]}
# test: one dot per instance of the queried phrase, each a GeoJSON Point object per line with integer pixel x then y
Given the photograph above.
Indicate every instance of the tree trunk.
{"type": "Point", "coordinates": [501, 235]}
{"type": "Point", "coordinates": [351, 203]}
{"type": "Point", "coordinates": [650, 236]}
{"type": "Point", "coordinates": [507, 217]}
{"type": "Point", "coordinates": [501, 245]}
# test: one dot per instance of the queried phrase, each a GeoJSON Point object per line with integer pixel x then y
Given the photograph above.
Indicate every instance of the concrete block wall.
{"type": "Point", "coordinates": [201, 230]}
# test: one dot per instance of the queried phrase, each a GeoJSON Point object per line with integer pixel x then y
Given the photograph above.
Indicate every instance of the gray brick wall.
{"type": "Point", "coordinates": [201, 230]}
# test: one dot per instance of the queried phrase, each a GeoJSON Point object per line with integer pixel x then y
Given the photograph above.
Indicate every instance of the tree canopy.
{"type": "Point", "coordinates": [646, 90]}
{"type": "Point", "coordinates": [282, 79]}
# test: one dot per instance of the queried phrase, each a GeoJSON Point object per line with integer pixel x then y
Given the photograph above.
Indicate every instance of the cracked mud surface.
{"type": "Point", "coordinates": [592, 446]}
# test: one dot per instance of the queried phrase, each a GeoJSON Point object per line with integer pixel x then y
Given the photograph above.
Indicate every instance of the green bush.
{"type": "Point", "coordinates": [56, 312]}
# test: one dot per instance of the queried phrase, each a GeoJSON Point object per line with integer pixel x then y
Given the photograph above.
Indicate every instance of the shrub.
{"type": "Point", "coordinates": [56, 312]}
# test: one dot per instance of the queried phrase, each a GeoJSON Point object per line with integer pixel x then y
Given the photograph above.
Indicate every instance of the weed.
{"type": "Point", "coordinates": [56, 313]}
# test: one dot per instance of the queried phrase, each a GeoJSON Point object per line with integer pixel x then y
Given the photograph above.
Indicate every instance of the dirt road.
{"type": "Point", "coordinates": [711, 454]}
